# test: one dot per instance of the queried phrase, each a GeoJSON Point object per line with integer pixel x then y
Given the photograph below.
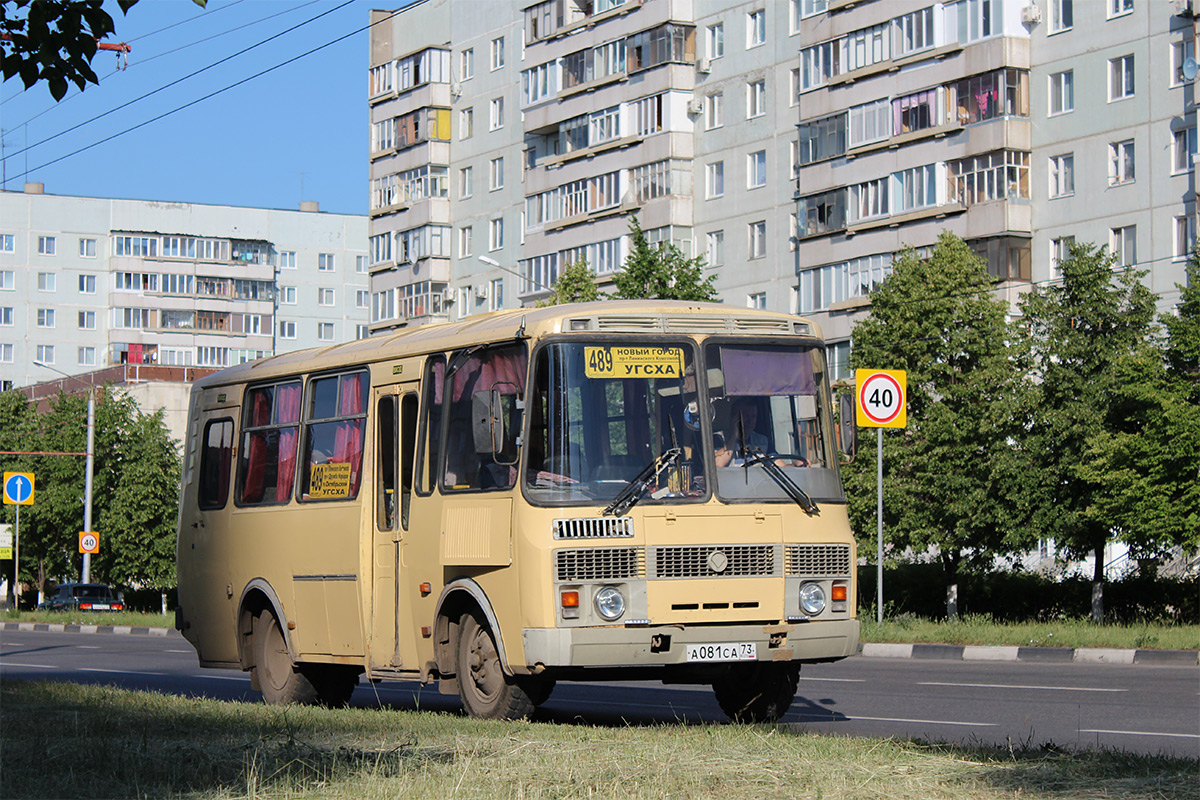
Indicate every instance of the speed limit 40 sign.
{"type": "Point", "coordinates": [881, 398]}
{"type": "Point", "coordinates": [89, 542]}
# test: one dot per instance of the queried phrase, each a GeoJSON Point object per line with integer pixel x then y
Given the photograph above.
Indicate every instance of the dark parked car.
{"type": "Point", "coordinates": [82, 597]}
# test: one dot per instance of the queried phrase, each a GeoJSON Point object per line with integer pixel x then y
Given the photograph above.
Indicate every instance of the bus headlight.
{"type": "Point", "coordinates": [610, 603]}
{"type": "Point", "coordinates": [812, 599]}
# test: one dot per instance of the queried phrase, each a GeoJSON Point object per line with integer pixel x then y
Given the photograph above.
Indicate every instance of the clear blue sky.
{"type": "Point", "coordinates": [297, 133]}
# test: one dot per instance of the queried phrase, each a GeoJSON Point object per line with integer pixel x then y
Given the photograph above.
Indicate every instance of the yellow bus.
{"type": "Point", "coordinates": [602, 491]}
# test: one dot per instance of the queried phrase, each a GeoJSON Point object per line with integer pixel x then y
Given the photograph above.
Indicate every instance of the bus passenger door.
{"type": "Point", "coordinates": [395, 430]}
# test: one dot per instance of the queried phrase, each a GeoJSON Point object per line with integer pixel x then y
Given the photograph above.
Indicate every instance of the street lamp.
{"type": "Point", "coordinates": [491, 262]}
{"type": "Point", "coordinates": [91, 457]}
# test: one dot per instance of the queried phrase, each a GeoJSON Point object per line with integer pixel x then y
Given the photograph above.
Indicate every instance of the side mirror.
{"type": "Point", "coordinates": [487, 422]}
{"type": "Point", "coordinates": [847, 426]}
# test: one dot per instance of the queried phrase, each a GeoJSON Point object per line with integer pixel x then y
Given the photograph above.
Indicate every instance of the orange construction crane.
{"type": "Point", "coordinates": [121, 48]}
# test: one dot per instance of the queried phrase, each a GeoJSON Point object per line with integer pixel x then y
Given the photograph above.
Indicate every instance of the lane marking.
{"type": "Point", "coordinates": [88, 646]}
{"type": "Point", "coordinates": [856, 718]}
{"type": "Point", "coordinates": [177, 651]}
{"type": "Point", "coordinates": [1142, 733]}
{"type": "Point", "coordinates": [119, 671]}
{"type": "Point", "coordinates": [1020, 686]}
{"type": "Point", "coordinates": [836, 680]}
{"type": "Point", "coordinates": [27, 666]}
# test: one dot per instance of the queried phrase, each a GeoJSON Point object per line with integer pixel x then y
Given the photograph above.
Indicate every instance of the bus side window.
{"type": "Point", "coordinates": [386, 491]}
{"type": "Point", "coordinates": [429, 438]}
{"type": "Point", "coordinates": [215, 462]}
{"type": "Point", "coordinates": [408, 446]}
{"type": "Point", "coordinates": [469, 466]}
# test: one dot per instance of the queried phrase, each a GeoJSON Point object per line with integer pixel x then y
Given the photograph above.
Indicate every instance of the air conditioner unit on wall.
{"type": "Point", "coordinates": [1184, 8]}
{"type": "Point", "coordinates": [695, 107]}
{"type": "Point", "coordinates": [1031, 15]}
{"type": "Point", "coordinates": [448, 294]}
{"type": "Point", "coordinates": [703, 66]}
{"type": "Point", "coordinates": [481, 291]}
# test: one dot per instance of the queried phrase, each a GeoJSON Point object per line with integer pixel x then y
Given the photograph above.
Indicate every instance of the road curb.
{"type": "Point", "coordinates": [119, 630]}
{"type": "Point", "coordinates": [1036, 655]}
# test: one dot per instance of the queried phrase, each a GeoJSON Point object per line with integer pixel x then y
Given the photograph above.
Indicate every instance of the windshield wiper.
{"type": "Point", "coordinates": [756, 456]}
{"type": "Point", "coordinates": [636, 489]}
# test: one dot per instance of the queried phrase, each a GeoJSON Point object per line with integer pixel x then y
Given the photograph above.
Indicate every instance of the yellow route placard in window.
{"type": "Point", "coordinates": [328, 481]}
{"type": "Point", "coordinates": [617, 361]}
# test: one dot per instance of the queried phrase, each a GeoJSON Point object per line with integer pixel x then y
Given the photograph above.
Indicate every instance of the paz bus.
{"type": "Point", "coordinates": [603, 491]}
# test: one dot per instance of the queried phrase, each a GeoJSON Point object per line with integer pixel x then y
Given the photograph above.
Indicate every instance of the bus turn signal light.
{"type": "Point", "coordinates": [426, 588]}
{"type": "Point", "coordinates": [838, 593]}
{"type": "Point", "coordinates": [570, 605]}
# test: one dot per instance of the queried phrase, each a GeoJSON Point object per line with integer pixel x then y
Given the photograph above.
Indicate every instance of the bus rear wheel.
{"type": "Point", "coordinates": [487, 692]}
{"type": "Point", "coordinates": [757, 692]}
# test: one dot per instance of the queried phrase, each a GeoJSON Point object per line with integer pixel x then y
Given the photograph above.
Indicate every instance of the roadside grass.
{"type": "Point", "coordinates": [64, 740]}
{"type": "Point", "coordinates": [1058, 633]}
{"type": "Point", "coordinates": [134, 618]}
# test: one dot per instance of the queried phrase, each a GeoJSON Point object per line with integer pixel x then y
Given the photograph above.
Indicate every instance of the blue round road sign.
{"type": "Point", "coordinates": [18, 488]}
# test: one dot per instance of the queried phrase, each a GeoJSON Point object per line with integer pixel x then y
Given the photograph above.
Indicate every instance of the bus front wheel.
{"type": "Point", "coordinates": [278, 678]}
{"type": "Point", "coordinates": [487, 692]}
{"type": "Point", "coordinates": [760, 692]}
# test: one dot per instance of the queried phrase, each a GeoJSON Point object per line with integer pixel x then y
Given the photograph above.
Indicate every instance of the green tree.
{"type": "Point", "coordinates": [55, 40]}
{"type": "Point", "coordinates": [1091, 338]}
{"type": "Point", "coordinates": [16, 421]}
{"type": "Point", "coordinates": [952, 478]}
{"type": "Point", "coordinates": [660, 272]}
{"type": "Point", "coordinates": [575, 284]}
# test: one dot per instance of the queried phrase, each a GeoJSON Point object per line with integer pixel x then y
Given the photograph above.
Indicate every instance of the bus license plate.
{"type": "Point", "coordinates": [727, 651]}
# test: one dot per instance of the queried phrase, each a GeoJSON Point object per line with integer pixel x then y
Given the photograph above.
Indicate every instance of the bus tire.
{"type": "Point", "coordinates": [486, 691]}
{"type": "Point", "coordinates": [761, 692]}
{"type": "Point", "coordinates": [279, 680]}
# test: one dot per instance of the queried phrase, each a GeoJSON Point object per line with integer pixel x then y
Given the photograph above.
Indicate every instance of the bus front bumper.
{"type": "Point", "coordinates": [668, 644]}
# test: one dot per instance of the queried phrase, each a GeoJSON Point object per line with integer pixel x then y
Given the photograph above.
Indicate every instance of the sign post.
{"type": "Point", "coordinates": [18, 491]}
{"type": "Point", "coordinates": [882, 396]}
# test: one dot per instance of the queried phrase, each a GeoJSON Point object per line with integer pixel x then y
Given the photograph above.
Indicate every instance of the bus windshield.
{"type": "Point", "coordinates": [770, 401]}
{"type": "Point", "coordinates": [601, 413]}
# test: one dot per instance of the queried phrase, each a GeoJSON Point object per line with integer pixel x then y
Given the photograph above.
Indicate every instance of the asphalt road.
{"type": "Point", "coordinates": [1139, 708]}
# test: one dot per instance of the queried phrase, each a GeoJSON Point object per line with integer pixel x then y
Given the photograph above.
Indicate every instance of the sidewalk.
{"type": "Point", "coordinates": [945, 652]}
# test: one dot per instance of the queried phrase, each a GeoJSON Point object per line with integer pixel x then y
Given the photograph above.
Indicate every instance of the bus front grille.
{"type": "Point", "coordinates": [716, 561]}
{"type": "Point", "coordinates": [594, 528]}
{"type": "Point", "coordinates": [818, 560]}
{"type": "Point", "coordinates": [599, 564]}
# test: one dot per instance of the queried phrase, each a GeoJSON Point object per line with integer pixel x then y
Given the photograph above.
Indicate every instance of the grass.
{"type": "Point", "coordinates": [1060, 633]}
{"type": "Point", "coordinates": [73, 741]}
{"type": "Point", "coordinates": [134, 618]}
{"type": "Point", "coordinates": [903, 629]}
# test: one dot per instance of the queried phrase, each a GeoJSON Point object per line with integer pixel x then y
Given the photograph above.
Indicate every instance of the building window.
{"type": "Point", "coordinates": [999, 175]}
{"type": "Point", "coordinates": [6, 356]}
{"type": "Point", "coordinates": [287, 259]}
{"type": "Point", "coordinates": [823, 213]}
{"type": "Point", "coordinates": [1062, 15]}
{"type": "Point", "coordinates": [1119, 8]}
{"type": "Point", "coordinates": [87, 284]}
{"type": "Point", "coordinates": [325, 331]}
{"type": "Point", "coordinates": [1120, 162]}
{"type": "Point", "coordinates": [87, 248]}
{"type": "Point", "coordinates": [756, 99]}
{"type": "Point", "coordinates": [496, 233]}
{"type": "Point", "coordinates": [466, 182]}
{"type": "Point", "coordinates": [912, 32]}
{"type": "Point", "coordinates": [1183, 149]}
{"type": "Point", "coordinates": [1123, 244]}
{"type": "Point", "coordinates": [7, 243]}
{"type": "Point", "coordinates": [47, 282]}
{"type": "Point", "coordinates": [756, 28]}
{"type": "Point", "coordinates": [87, 320]}
{"type": "Point", "coordinates": [360, 265]}
{"type": "Point", "coordinates": [757, 239]}
{"type": "Point", "coordinates": [868, 199]}
{"type": "Point", "coordinates": [466, 64]}
{"type": "Point", "coordinates": [1180, 53]}
{"type": "Point", "coordinates": [362, 331]}
{"type": "Point", "coordinates": [287, 330]}
{"type": "Point", "coordinates": [287, 295]}
{"type": "Point", "coordinates": [497, 52]}
{"type": "Point", "coordinates": [915, 188]}
{"type": "Point", "coordinates": [1185, 235]}
{"type": "Point", "coordinates": [325, 262]}
{"type": "Point", "coordinates": [466, 123]}
{"type": "Point", "coordinates": [496, 114]}
{"type": "Point", "coordinates": [464, 241]}
{"type": "Point", "coordinates": [1062, 175]}
{"type": "Point", "coordinates": [715, 40]}
{"type": "Point", "coordinates": [794, 159]}
{"type": "Point", "coordinates": [713, 113]}
{"type": "Point", "coordinates": [87, 356]}
{"type": "Point", "coordinates": [1062, 92]}
{"type": "Point", "coordinates": [714, 179]}
{"type": "Point", "coordinates": [325, 297]}
{"type": "Point", "coordinates": [8, 280]}
{"type": "Point", "coordinates": [1120, 78]}
{"type": "Point", "coordinates": [46, 245]}
{"type": "Point", "coordinates": [45, 353]}
{"type": "Point", "coordinates": [1060, 251]}
{"type": "Point", "coordinates": [818, 64]}
{"type": "Point", "coordinates": [496, 174]}
{"type": "Point", "coordinates": [756, 300]}
{"type": "Point", "coordinates": [715, 248]}
{"type": "Point", "coordinates": [756, 169]}
{"type": "Point", "coordinates": [794, 87]}
{"type": "Point", "coordinates": [362, 299]}
{"type": "Point", "coordinates": [496, 294]}
{"type": "Point", "coordinates": [6, 316]}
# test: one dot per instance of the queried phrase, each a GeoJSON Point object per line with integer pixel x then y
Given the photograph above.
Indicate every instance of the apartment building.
{"type": "Point", "coordinates": [87, 283]}
{"type": "Point", "coordinates": [798, 145]}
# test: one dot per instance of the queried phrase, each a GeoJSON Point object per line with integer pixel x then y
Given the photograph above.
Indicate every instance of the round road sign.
{"type": "Point", "coordinates": [18, 488]}
{"type": "Point", "coordinates": [881, 398]}
{"type": "Point", "coordinates": [89, 542]}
